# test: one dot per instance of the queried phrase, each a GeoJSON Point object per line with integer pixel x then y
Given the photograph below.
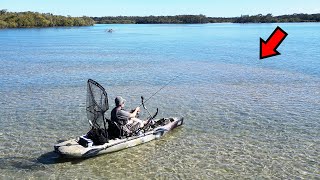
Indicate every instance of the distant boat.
{"type": "Point", "coordinates": [110, 30]}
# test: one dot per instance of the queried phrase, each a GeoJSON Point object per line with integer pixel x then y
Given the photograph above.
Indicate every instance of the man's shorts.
{"type": "Point", "coordinates": [130, 128]}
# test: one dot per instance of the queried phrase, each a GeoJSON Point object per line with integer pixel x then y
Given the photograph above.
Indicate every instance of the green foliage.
{"type": "Point", "coordinates": [34, 19]}
{"type": "Point", "coordinates": [278, 19]}
{"type": "Point", "coordinates": [220, 20]}
{"type": "Point", "coordinates": [196, 19]}
{"type": "Point", "coordinates": [180, 19]}
{"type": "Point", "coordinates": [3, 11]}
{"type": "Point", "coordinates": [3, 24]}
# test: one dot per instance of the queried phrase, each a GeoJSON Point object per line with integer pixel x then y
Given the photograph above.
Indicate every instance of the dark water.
{"type": "Point", "coordinates": [244, 118]}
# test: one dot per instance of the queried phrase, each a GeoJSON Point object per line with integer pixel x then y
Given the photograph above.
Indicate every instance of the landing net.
{"type": "Point", "coordinates": [96, 104]}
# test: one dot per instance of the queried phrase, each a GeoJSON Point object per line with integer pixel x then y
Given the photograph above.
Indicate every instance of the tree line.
{"type": "Point", "coordinates": [35, 19]}
{"type": "Point", "coordinates": [196, 19]}
{"type": "Point", "coordinates": [179, 19]}
{"type": "Point", "coordinates": [277, 19]}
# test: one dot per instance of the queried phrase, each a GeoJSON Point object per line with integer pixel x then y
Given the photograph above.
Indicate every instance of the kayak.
{"type": "Point", "coordinates": [103, 139]}
{"type": "Point", "coordinates": [73, 148]}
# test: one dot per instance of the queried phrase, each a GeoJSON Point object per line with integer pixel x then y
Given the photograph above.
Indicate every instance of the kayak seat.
{"type": "Point", "coordinates": [114, 130]}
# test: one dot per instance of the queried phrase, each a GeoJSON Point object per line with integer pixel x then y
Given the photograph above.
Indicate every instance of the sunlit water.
{"type": "Point", "coordinates": [244, 117]}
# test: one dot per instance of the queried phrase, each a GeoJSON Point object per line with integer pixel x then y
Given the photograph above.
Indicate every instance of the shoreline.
{"type": "Point", "coordinates": [154, 24]}
{"type": "Point", "coordinates": [40, 20]}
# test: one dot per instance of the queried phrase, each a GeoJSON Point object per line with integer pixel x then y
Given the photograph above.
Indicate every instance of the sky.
{"type": "Point", "coordinates": [210, 8]}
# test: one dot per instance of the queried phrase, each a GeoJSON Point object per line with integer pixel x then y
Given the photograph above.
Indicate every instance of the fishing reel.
{"type": "Point", "coordinates": [138, 113]}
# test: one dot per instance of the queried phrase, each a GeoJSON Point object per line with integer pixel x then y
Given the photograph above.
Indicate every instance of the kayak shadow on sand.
{"type": "Point", "coordinates": [54, 158]}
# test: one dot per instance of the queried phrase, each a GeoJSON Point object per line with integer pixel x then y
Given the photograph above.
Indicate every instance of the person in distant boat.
{"type": "Point", "coordinates": [127, 120]}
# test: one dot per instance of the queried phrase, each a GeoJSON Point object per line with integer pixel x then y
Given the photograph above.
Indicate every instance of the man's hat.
{"type": "Point", "coordinates": [119, 100]}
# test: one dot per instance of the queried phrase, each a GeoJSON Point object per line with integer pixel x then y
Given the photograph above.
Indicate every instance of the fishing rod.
{"type": "Point", "coordinates": [142, 100]}
{"type": "Point", "coordinates": [144, 107]}
{"type": "Point", "coordinates": [150, 116]}
{"type": "Point", "coordinates": [142, 104]}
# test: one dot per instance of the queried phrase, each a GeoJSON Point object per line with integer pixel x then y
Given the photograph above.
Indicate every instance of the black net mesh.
{"type": "Point", "coordinates": [97, 103]}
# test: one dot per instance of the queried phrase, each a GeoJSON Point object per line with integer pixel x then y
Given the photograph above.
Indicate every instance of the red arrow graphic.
{"type": "Point", "coordinates": [269, 48]}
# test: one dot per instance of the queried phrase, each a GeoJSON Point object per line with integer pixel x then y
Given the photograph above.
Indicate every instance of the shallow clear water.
{"type": "Point", "coordinates": [244, 118]}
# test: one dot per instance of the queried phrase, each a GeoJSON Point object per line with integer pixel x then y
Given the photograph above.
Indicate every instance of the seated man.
{"type": "Point", "coordinates": [127, 120]}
